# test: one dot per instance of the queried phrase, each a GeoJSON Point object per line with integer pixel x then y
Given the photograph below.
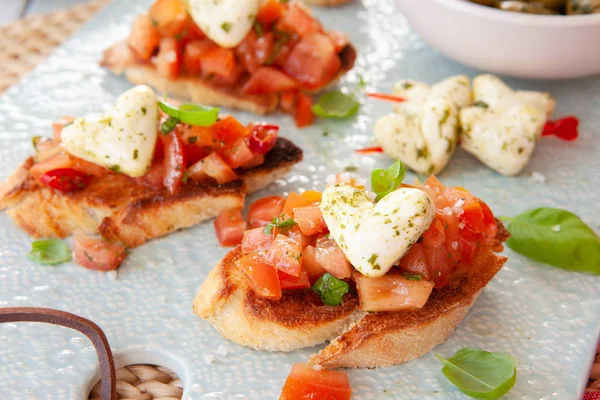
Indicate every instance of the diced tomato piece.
{"type": "Point", "coordinates": [288, 101]}
{"type": "Point", "coordinates": [289, 282]}
{"type": "Point", "coordinates": [313, 62]}
{"type": "Point", "coordinates": [57, 127]}
{"type": "Point", "coordinates": [257, 159]}
{"type": "Point", "coordinates": [296, 200]}
{"type": "Point", "coordinates": [194, 153]}
{"type": "Point", "coordinates": [297, 19]}
{"type": "Point", "coordinates": [229, 129]}
{"type": "Point", "coordinates": [414, 262]}
{"type": "Point", "coordinates": [304, 115]}
{"type": "Point", "coordinates": [311, 265]}
{"type": "Point", "coordinates": [256, 240]}
{"type": "Point", "coordinates": [283, 46]}
{"type": "Point", "coordinates": [218, 61]}
{"type": "Point", "coordinates": [175, 162]}
{"type": "Point", "coordinates": [451, 236]}
{"type": "Point", "coordinates": [339, 40]}
{"type": "Point", "coordinates": [264, 47]}
{"type": "Point", "coordinates": [392, 292]}
{"type": "Point", "coordinates": [263, 138]}
{"type": "Point", "coordinates": [212, 166]}
{"type": "Point", "coordinates": [168, 59]}
{"type": "Point", "coordinates": [144, 37]}
{"type": "Point", "coordinates": [230, 227]}
{"type": "Point", "coordinates": [270, 12]}
{"type": "Point", "coordinates": [169, 17]}
{"type": "Point", "coordinates": [262, 276]}
{"type": "Point", "coordinates": [310, 220]}
{"type": "Point", "coordinates": [231, 79]}
{"type": "Point", "coordinates": [237, 154]}
{"type": "Point", "coordinates": [331, 257]}
{"type": "Point", "coordinates": [190, 33]}
{"type": "Point", "coordinates": [64, 160]}
{"type": "Point", "coordinates": [193, 53]}
{"type": "Point", "coordinates": [468, 249]}
{"type": "Point", "coordinates": [155, 176]}
{"type": "Point", "coordinates": [201, 136]}
{"type": "Point", "coordinates": [263, 210]}
{"type": "Point", "coordinates": [269, 80]}
{"type": "Point", "coordinates": [296, 234]}
{"type": "Point", "coordinates": [490, 228]}
{"type": "Point", "coordinates": [285, 254]}
{"type": "Point", "coordinates": [305, 382]}
{"type": "Point", "coordinates": [66, 179]}
{"type": "Point", "coordinates": [97, 253]}
{"type": "Point", "coordinates": [436, 258]}
{"type": "Point", "coordinates": [246, 52]}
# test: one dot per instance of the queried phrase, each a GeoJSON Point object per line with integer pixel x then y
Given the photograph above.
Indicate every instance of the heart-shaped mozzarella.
{"type": "Point", "coordinates": [123, 139]}
{"type": "Point", "coordinates": [225, 22]}
{"type": "Point", "coordinates": [424, 129]}
{"type": "Point", "coordinates": [502, 127]}
{"type": "Point", "coordinates": [375, 236]}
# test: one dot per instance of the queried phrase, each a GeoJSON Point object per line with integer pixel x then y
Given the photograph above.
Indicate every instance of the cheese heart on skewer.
{"type": "Point", "coordinates": [123, 139]}
{"type": "Point", "coordinates": [225, 22]}
{"type": "Point", "coordinates": [374, 236]}
{"type": "Point", "coordinates": [502, 127]}
{"type": "Point", "coordinates": [424, 129]}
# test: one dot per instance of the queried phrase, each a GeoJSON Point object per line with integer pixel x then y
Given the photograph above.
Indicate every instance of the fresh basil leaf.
{"type": "Point", "coordinates": [481, 374]}
{"type": "Point", "coordinates": [283, 224]}
{"type": "Point", "coordinates": [330, 289]}
{"type": "Point", "coordinates": [336, 105]}
{"type": "Point", "coordinates": [168, 126]}
{"type": "Point", "coordinates": [555, 237]}
{"type": "Point", "coordinates": [385, 181]}
{"type": "Point", "coordinates": [49, 252]}
{"type": "Point", "coordinates": [192, 114]}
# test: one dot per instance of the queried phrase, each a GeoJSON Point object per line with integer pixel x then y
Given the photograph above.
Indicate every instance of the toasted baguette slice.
{"type": "Point", "coordinates": [120, 60]}
{"type": "Point", "coordinates": [118, 207]}
{"type": "Point", "coordinates": [358, 339]}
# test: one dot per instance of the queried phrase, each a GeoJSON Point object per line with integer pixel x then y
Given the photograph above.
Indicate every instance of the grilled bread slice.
{"type": "Point", "coordinates": [358, 339]}
{"type": "Point", "coordinates": [120, 60]}
{"type": "Point", "coordinates": [118, 207]}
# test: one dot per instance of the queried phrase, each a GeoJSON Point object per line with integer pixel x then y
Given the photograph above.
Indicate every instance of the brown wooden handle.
{"type": "Point", "coordinates": [85, 326]}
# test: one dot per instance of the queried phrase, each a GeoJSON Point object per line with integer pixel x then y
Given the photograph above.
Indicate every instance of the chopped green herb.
{"type": "Point", "coordinates": [185, 177]}
{"type": "Point", "coordinates": [168, 126]}
{"type": "Point", "coordinates": [351, 168]}
{"type": "Point", "coordinates": [412, 277]}
{"type": "Point", "coordinates": [115, 168]}
{"type": "Point", "coordinates": [135, 154]}
{"type": "Point", "coordinates": [35, 140]}
{"type": "Point", "coordinates": [330, 289]}
{"type": "Point", "coordinates": [226, 26]}
{"type": "Point", "coordinates": [481, 104]}
{"type": "Point", "coordinates": [385, 181]}
{"type": "Point", "coordinates": [49, 252]}
{"type": "Point", "coordinates": [283, 224]}
{"type": "Point", "coordinates": [258, 28]}
{"type": "Point", "coordinates": [144, 110]}
{"type": "Point", "coordinates": [192, 139]}
{"type": "Point", "coordinates": [407, 85]}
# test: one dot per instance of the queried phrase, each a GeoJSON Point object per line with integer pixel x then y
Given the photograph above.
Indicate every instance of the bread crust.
{"type": "Point", "coordinates": [358, 339]}
{"type": "Point", "coordinates": [118, 207]}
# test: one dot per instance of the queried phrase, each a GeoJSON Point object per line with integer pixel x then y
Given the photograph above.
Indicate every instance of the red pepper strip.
{"type": "Point", "coordinates": [66, 179]}
{"type": "Point", "coordinates": [388, 97]}
{"type": "Point", "coordinates": [369, 150]}
{"type": "Point", "coordinates": [565, 128]}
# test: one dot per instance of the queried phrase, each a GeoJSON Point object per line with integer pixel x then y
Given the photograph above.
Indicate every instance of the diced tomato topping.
{"type": "Point", "coordinates": [66, 179]}
{"type": "Point", "coordinates": [63, 160]}
{"type": "Point", "coordinates": [257, 159]}
{"type": "Point", "coordinates": [231, 79]}
{"type": "Point", "coordinates": [201, 136]}
{"type": "Point", "coordinates": [174, 162]}
{"type": "Point", "coordinates": [392, 292]}
{"type": "Point", "coordinates": [229, 130]}
{"type": "Point", "coordinates": [269, 80]}
{"type": "Point", "coordinates": [310, 220]}
{"type": "Point", "coordinates": [57, 127]}
{"type": "Point", "coordinates": [291, 282]}
{"type": "Point", "coordinates": [194, 153]}
{"type": "Point", "coordinates": [490, 228]}
{"type": "Point", "coordinates": [97, 253]}
{"type": "Point", "coordinates": [144, 37]}
{"type": "Point", "coordinates": [218, 61]}
{"type": "Point", "coordinates": [214, 167]}
{"type": "Point", "coordinates": [288, 101]}
{"type": "Point", "coordinates": [270, 12]}
{"type": "Point", "coordinates": [296, 234]}
{"type": "Point", "coordinates": [311, 265]}
{"type": "Point", "coordinates": [255, 50]}
{"type": "Point", "coordinates": [414, 262]}
{"type": "Point", "coordinates": [304, 115]}
{"type": "Point", "coordinates": [313, 62]}
{"type": "Point", "coordinates": [263, 210]}
{"type": "Point", "coordinates": [169, 17]}
{"type": "Point", "coordinates": [285, 254]}
{"type": "Point", "coordinates": [155, 177]}
{"type": "Point", "coordinates": [168, 59]}
{"type": "Point", "coordinates": [256, 240]}
{"type": "Point", "coordinates": [230, 226]}
{"type": "Point", "coordinates": [193, 53]}
{"type": "Point", "coordinates": [305, 382]}
{"type": "Point", "coordinates": [331, 257]}
{"type": "Point", "coordinates": [262, 276]}
{"type": "Point", "coordinates": [296, 200]}
{"type": "Point", "coordinates": [263, 138]}
{"type": "Point", "coordinates": [297, 19]}
{"type": "Point", "coordinates": [237, 153]}
{"type": "Point", "coordinates": [339, 40]}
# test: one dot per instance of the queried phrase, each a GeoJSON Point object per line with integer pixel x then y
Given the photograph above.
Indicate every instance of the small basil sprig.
{"type": "Point", "coordinates": [192, 114]}
{"type": "Point", "coordinates": [556, 237]}
{"type": "Point", "coordinates": [385, 181]}
{"type": "Point", "coordinates": [337, 104]}
{"type": "Point", "coordinates": [49, 252]}
{"type": "Point", "coordinates": [481, 374]}
{"type": "Point", "coordinates": [283, 224]}
{"type": "Point", "coordinates": [330, 289]}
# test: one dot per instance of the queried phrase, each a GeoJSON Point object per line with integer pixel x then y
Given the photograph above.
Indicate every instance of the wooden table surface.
{"type": "Point", "coordinates": [14, 9]}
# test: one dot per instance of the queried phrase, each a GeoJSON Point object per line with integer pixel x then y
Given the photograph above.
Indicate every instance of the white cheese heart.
{"type": "Point", "coordinates": [375, 236]}
{"type": "Point", "coordinates": [502, 127]}
{"type": "Point", "coordinates": [424, 129]}
{"type": "Point", "coordinates": [123, 139]}
{"type": "Point", "coordinates": [225, 22]}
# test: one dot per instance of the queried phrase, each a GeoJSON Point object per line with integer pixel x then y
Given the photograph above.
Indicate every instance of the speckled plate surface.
{"type": "Point", "coordinates": [548, 318]}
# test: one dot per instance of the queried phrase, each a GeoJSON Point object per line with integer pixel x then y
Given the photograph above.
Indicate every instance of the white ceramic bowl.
{"type": "Point", "coordinates": [510, 43]}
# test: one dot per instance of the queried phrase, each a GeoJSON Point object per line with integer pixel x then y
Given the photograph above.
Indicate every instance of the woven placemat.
{"type": "Point", "coordinates": [23, 45]}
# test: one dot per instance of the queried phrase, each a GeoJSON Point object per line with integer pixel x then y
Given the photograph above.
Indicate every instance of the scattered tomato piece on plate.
{"type": "Point", "coordinates": [306, 382]}
{"type": "Point", "coordinates": [230, 226]}
{"type": "Point", "coordinates": [98, 254]}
